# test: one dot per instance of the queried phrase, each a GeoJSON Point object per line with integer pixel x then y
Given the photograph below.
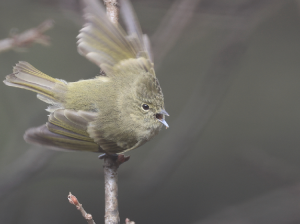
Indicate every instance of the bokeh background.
{"type": "Point", "coordinates": [230, 73]}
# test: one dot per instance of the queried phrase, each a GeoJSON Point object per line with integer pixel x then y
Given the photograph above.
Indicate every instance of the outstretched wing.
{"type": "Point", "coordinates": [134, 29]}
{"type": "Point", "coordinates": [65, 130]}
{"type": "Point", "coordinates": [103, 42]}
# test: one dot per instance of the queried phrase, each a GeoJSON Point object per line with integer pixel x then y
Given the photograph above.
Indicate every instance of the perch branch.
{"type": "Point", "coordinates": [111, 191]}
{"type": "Point", "coordinates": [111, 164]}
{"type": "Point", "coordinates": [73, 200]}
{"type": "Point", "coordinates": [112, 10]}
{"type": "Point", "coordinates": [33, 35]}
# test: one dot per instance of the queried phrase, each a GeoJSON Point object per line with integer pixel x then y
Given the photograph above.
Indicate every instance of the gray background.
{"type": "Point", "coordinates": [229, 71]}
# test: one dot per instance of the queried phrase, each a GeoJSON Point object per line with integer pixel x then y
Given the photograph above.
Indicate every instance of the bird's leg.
{"type": "Point", "coordinates": [117, 158]}
{"type": "Point", "coordinates": [114, 157]}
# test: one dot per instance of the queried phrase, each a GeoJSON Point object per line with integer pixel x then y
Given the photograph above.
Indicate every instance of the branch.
{"type": "Point", "coordinates": [112, 10]}
{"type": "Point", "coordinates": [111, 164]}
{"type": "Point", "coordinates": [34, 35]}
{"type": "Point", "coordinates": [111, 191]}
{"type": "Point", "coordinates": [73, 200]}
{"type": "Point", "coordinates": [127, 221]}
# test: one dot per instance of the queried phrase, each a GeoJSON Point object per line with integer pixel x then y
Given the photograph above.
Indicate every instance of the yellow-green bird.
{"type": "Point", "coordinates": [115, 112]}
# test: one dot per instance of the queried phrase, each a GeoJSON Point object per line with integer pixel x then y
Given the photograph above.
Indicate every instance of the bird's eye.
{"type": "Point", "coordinates": [145, 107]}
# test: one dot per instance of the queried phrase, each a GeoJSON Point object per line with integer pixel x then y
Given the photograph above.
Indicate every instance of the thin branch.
{"type": "Point", "coordinates": [127, 221]}
{"type": "Point", "coordinates": [111, 191]}
{"type": "Point", "coordinates": [28, 37]}
{"type": "Point", "coordinates": [111, 165]}
{"type": "Point", "coordinates": [74, 201]}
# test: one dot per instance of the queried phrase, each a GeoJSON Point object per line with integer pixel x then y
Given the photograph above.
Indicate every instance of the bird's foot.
{"type": "Point", "coordinates": [117, 158]}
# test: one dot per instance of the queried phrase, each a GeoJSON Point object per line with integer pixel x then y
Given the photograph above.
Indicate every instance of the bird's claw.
{"type": "Point", "coordinates": [118, 158]}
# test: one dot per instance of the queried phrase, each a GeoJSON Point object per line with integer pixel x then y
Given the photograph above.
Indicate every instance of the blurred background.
{"type": "Point", "coordinates": [230, 73]}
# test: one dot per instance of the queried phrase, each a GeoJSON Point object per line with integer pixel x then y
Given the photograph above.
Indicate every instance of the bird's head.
{"type": "Point", "coordinates": [150, 101]}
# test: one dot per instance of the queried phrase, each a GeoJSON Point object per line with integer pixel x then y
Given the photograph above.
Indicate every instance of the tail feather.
{"type": "Point", "coordinates": [26, 71]}
{"type": "Point", "coordinates": [26, 76]}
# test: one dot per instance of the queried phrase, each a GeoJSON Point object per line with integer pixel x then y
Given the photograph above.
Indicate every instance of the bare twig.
{"type": "Point", "coordinates": [73, 200]}
{"type": "Point", "coordinates": [127, 221]}
{"type": "Point", "coordinates": [34, 35]}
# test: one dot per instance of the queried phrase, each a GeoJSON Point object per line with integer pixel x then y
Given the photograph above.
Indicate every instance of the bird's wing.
{"type": "Point", "coordinates": [107, 44]}
{"type": "Point", "coordinates": [65, 130]}
{"type": "Point", "coordinates": [134, 30]}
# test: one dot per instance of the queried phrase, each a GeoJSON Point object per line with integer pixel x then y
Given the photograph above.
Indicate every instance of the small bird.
{"type": "Point", "coordinates": [117, 111]}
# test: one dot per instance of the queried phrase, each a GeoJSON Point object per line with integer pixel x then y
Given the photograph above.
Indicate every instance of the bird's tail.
{"type": "Point", "coordinates": [25, 76]}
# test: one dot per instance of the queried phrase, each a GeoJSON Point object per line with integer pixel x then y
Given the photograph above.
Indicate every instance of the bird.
{"type": "Point", "coordinates": [118, 110]}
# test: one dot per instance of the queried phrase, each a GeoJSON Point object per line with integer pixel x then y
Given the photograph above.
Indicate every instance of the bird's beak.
{"type": "Point", "coordinates": [163, 122]}
{"type": "Point", "coordinates": [161, 119]}
{"type": "Point", "coordinates": [164, 112]}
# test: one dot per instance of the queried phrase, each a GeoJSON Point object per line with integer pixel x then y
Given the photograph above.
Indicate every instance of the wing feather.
{"type": "Point", "coordinates": [103, 42]}
{"type": "Point", "coordinates": [43, 136]}
{"type": "Point", "coordinates": [65, 130]}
